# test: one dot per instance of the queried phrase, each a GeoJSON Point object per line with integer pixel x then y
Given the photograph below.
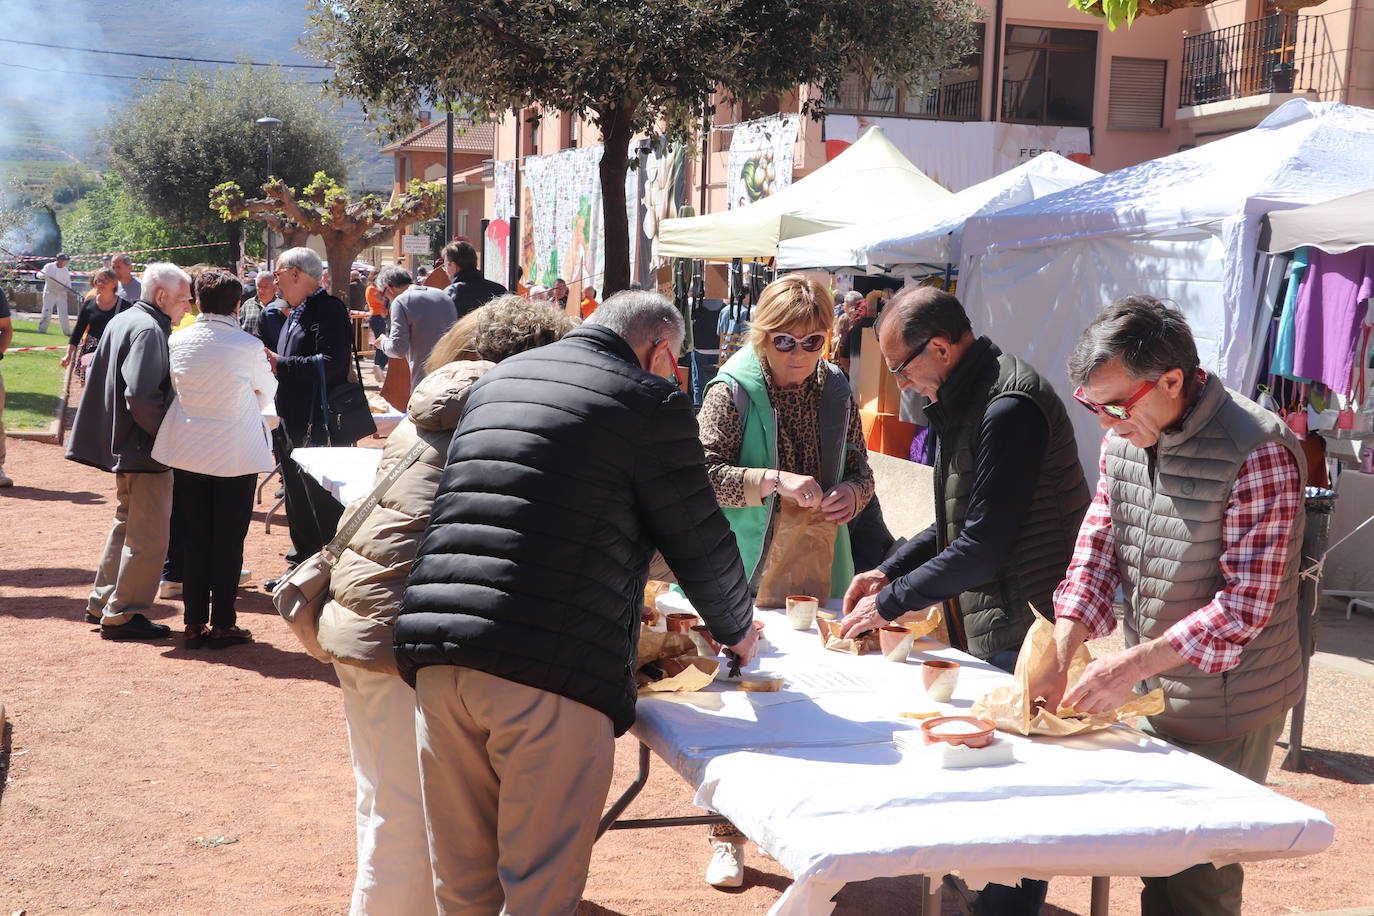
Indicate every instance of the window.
{"type": "Point", "coordinates": [1137, 99]}
{"type": "Point", "coordinates": [1048, 75]}
{"type": "Point", "coordinates": [956, 96]}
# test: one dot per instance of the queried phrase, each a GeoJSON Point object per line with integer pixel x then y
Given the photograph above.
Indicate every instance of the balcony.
{"type": "Point", "coordinates": [1232, 77]}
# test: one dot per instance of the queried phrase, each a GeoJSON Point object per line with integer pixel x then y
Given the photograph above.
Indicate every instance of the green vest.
{"type": "Point", "coordinates": [759, 449]}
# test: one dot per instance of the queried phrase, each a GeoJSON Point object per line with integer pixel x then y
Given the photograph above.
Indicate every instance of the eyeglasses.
{"type": "Point", "coordinates": [1120, 411]}
{"type": "Point", "coordinates": [901, 367]}
{"type": "Point", "coordinates": [786, 343]}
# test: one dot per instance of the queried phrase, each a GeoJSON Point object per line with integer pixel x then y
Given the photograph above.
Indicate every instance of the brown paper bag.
{"type": "Point", "coordinates": [799, 558]}
{"type": "Point", "coordinates": [1014, 711]}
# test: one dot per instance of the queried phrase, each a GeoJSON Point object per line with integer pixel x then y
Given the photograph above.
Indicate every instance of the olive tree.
{"type": "Point", "coordinates": [629, 66]}
{"type": "Point", "coordinates": [183, 138]}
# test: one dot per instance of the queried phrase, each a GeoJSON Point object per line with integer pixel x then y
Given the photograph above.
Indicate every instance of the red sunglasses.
{"type": "Point", "coordinates": [1120, 411]}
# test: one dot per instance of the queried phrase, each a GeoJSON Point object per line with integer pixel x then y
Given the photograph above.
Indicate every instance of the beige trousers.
{"type": "Point", "coordinates": [2, 421]}
{"type": "Point", "coordinates": [514, 781]}
{"type": "Point", "coordinates": [131, 565]}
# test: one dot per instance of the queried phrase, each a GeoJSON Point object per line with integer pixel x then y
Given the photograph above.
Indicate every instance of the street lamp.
{"type": "Point", "coordinates": [269, 125]}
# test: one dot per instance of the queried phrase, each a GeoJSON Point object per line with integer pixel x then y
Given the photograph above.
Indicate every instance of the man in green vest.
{"type": "Point", "coordinates": [1197, 518]}
{"type": "Point", "coordinates": [1009, 496]}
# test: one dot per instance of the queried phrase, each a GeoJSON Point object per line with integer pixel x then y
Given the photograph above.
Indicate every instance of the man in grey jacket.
{"type": "Point", "coordinates": [420, 315]}
{"type": "Point", "coordinates": [128, 390]}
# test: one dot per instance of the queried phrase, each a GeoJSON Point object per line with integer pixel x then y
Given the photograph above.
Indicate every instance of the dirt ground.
{"type": "Point", "coordinates": [142, 778]}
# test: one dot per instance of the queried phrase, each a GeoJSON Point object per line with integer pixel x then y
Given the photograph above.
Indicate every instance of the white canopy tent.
{"type": "Point", "coordinates": [1182, 227]}
{"type": "Point", "coordinates": [870, 177]}
{"type": "Point", "coordinates": [932, 237]}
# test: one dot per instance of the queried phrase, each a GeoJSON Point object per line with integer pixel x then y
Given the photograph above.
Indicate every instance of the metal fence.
{"type": "Point", "coordinates": [1284, 52]}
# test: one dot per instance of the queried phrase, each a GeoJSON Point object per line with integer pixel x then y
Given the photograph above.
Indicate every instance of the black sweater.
{"type": "Point", "coordinates": [570, 466]}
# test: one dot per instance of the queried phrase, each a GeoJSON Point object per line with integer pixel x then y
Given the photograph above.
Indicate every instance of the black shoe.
{"type": "Point", "coordinates": [139, 627]}
{"type": "Point", "coordinates": [271, 584]}
{"type": "Point", "coordinates": [92, 619]}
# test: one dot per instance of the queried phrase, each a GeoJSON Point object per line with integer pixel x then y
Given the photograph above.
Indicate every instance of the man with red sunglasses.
{"type": "Point", "coordinates": [1197, 519]}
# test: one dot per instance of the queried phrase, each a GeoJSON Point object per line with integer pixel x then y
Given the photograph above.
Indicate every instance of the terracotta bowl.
{"type": "Point", "coordinates": [681, 623]}
{"type": "Point", "coordinates": [977, 732]}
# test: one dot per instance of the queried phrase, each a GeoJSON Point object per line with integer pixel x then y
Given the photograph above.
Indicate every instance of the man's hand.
{"type": "Point", "coordinates": [271, 360]}
{"type": "Point", "coordinates": [379, 342]}
{"type": "Point", "coordinates": [1048, 683]}
{"type": "Point", "coordinates": [862, 618]}
{"type": "Point", "coordinates": [864, 584]}
{"type": "Point", "coordinates": [747, 646]}
{"type": "Point", "coordinates": [1107, 682]}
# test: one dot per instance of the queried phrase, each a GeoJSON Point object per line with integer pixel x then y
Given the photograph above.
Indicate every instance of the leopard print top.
{"type": "Point", "coordinates": [799, 445]}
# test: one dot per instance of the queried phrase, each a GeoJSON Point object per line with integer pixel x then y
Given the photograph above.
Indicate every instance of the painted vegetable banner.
{"type": "Point", "coordinates": [761, 158]}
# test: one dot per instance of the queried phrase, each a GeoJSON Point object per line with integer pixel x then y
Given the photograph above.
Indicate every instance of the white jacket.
{"type": "Point", "coordinates": [222, 382]}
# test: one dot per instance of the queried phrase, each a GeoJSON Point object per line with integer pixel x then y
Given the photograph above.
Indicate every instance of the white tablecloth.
{"type": "Point", "coordinates": [812, 776]}
{"type": "Point", "coordinates": [386, 422]}
{"type": "Point", "coordinates": [347, 473]}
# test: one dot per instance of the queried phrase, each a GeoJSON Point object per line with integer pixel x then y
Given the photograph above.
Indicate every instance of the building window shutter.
{"type": "Point", "coordinates": [1137, 96]}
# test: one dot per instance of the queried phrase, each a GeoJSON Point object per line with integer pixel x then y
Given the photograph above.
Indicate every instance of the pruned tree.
{"type": "Point", "coordinates": [630, 66]}
{"type": "Point", "coordinates": [199, 130]}
{"type": "Point", "coordinates": [323, 208]}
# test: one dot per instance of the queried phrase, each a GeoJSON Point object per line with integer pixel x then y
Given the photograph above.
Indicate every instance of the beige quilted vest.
{"type": "Point", "coordinates": [1167, 508]}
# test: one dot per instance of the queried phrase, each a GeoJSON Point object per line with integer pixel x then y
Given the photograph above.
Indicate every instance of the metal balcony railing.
{"type": "Point", "coordinates": [1284, 52]}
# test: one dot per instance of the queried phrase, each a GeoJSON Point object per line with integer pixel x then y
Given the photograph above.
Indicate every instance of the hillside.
{"type": "Point", "coordinates": [52, 101]}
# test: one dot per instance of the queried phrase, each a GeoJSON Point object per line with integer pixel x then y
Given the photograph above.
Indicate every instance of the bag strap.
{"type": "Point", "coordinates": [355, 521]}
{"type": "Point", "coordinates": [324, 399]}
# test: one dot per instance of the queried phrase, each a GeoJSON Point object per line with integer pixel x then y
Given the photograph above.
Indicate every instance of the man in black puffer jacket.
{"type": "Point", "coordinates": [520, 622]}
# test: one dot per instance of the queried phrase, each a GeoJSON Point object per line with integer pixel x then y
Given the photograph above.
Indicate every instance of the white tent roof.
{"type": "Point", "coordinates": [870, 177]}
{"type": "Point", "coordinates": [1302, 153]}
{"type": "Point", "coordinates": [933, 235]}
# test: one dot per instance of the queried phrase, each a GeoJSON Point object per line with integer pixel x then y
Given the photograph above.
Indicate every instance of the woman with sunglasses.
{"type": "Point", "coordinates": [778, 422]}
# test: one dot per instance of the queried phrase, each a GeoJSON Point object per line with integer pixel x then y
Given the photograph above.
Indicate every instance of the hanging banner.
{"type": "Point", "coordinates": [665, 189]}
{"type": "Point", "coordinates": [760, 161]}
{"type": "Point", "coordinates": [561, 227]}
{"type": "Point", "coordinates": [496, 244]}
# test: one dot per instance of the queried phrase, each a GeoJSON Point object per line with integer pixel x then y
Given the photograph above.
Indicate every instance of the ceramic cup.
{"type": "Point", "coordinates": [801, 611]}
{"type": "Point", "coordinates": [681, 623]}
{"type": "Point", "coordinates": [895, 643]}
{"type": "Point", "coordinates": [939, 676]}
{"type": "Point", "coordinates": [701, 638]}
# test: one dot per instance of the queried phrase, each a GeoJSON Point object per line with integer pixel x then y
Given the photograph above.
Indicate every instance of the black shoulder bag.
{"type": "Point", "coordinates": [347, 414]}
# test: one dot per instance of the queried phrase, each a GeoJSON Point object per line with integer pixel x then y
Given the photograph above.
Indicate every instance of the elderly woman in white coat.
{"type": "Point", "coordinates": [394, 876]}
{"type": "Point", "coordinates": [216, 440]}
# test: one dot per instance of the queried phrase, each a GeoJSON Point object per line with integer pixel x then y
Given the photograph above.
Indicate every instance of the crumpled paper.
{"type": "Point", "coordinates": [675, 656]}
{"type": "Point", "coordinates": [1014, 711]}
{"type": "Point", "coordinates": [929, 622]}
{"type": "Point", "coordinates": [862, 644]}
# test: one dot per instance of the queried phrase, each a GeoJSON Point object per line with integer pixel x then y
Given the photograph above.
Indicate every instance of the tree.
{"type": "Point", "coordinates": [323, 208]}
{"type": "Point", "coordinates": [108, 219]}
{"type": "Point", "coordinates": [629, 65]}
{"type": "Point", "coordinates": [199, 131]}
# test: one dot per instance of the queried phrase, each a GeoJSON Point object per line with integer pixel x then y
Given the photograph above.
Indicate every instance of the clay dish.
{"type": "Point", "coordinates": [681, 623]}
{"type": "Point", "coordinates": [976, 732]}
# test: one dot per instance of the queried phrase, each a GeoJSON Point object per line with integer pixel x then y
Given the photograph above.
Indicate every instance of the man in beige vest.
{"type": "Point", "coordinates": [1197, 517]}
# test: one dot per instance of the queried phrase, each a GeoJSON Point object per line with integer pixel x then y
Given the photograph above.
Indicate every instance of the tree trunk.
{"type": "Point", "coordinates": [615, 125]}
{"type": "Point", "coordinates": [340, 251]}
{"type": "Point", "coordinates": [235, 238]}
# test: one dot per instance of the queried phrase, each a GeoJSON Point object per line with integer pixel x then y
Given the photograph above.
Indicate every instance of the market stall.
{"type": "Point", "coordinates": [870, 177]}
{"type": "Point", "coordinates": [926, 240]}
{"type": "Point", "coordinates": [1183, 227]}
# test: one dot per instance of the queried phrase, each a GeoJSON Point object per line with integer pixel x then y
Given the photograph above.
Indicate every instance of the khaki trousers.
{"type": "Point", "coordinates": [1205, 890]}
{"type": "Point", "coordinates": [2, 421]}
{"type": "Point", "coordinates": [131, 565]}
{"type": "Point", "coordinates": [514, 781]}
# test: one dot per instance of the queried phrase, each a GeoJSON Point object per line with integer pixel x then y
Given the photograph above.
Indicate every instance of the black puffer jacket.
{"type": "Point", "coordinates": [570, 466]}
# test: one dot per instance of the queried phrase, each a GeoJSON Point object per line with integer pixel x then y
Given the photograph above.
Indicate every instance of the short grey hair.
{"type": "Point", "coordinates": [304, 260]}
{"type": "Point", "coordinates": [852, 296]}
{"type": "Point", "coordinates": [122, 259]}
{"type": "Point", "coordinates": [392, 275]}
{"type": "Point", "coordinates": [161, 275]}
{"type": "Point", "coordinates": [641, 317]}
{"type": "Point", "coordinates": [1149, 336]}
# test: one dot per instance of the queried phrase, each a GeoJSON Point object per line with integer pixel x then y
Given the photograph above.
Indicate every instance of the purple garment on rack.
{"type": "Point", "coordinates": [1331, 306]}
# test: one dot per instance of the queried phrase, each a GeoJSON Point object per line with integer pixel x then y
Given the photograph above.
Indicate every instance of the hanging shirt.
{"type": "Point", "coordinates": [1282, 362]}
{"type": "Point", "coordinates": [1331, 306]}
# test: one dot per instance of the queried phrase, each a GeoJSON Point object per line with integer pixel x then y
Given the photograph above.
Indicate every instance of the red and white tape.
{"type": "Point", "coordinates": [30, 349]}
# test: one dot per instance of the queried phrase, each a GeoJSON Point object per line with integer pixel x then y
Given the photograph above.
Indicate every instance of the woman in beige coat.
{"type": "Point", "coordinates": [394, 875]}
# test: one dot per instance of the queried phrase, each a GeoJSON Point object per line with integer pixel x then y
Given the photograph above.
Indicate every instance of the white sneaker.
{"type": "Point", "coordinates": [726, 868]}
{"type": "Point", "coordinates": [4, 479]}
{"type": "Point", "coordinates": [166, 589]}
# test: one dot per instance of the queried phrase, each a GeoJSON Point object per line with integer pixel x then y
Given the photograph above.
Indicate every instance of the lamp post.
{"type": "Point", "coordinates": [269, 125]}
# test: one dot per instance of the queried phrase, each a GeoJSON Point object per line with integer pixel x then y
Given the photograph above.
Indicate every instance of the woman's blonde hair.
{"type": "Point", "coordinates": [794, 302]}
{"type": "Point", "coordinates": [505, 326]}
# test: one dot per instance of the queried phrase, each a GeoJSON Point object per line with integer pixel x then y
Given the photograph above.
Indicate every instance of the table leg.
{"type": "Point", "coordinates": [932, 896]}
{"type": "Point", "coordinates": [1101, 896]}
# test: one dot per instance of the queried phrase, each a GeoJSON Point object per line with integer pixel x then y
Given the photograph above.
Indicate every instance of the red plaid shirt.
{"type": "Point", "coordinates": [1255, 529]}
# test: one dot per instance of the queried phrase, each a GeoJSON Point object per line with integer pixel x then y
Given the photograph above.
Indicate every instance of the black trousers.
{"type": "Point", "coordinates": [215, 513]}
{"type": "Point", "coordinates": [312, 515]}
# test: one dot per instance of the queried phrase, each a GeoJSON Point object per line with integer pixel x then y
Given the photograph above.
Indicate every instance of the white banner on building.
{"type": "Point", "coordinates": [497, 244]}
{"type": "Point", "coordinates": [760, 161]}
{"type": "Point", "coordinates": [959, 154]}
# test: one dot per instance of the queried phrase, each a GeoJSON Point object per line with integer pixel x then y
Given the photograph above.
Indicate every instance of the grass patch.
{"type": "Point", "coordinates": [33, 381]}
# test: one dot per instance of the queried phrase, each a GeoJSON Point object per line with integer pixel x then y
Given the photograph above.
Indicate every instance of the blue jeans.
{"type": "Point", "coordinates": [378, 324]}
{"type": "Point", "coordinates": [703, 370]}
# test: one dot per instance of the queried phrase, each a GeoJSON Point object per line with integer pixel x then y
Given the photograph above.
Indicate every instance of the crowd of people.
{"type": "Point", "coordinates": [485, 602]}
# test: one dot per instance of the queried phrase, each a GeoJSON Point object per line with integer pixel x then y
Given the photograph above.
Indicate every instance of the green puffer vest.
{"type": "Point", "coordinates": [753, 525]}
{"type": "Point", "coordinates": [997, 614]}
{"type": "Point", "coordinates": [1168, 506]}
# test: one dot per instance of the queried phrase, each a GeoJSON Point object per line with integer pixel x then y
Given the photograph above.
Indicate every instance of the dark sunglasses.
{"type": "Point", "coordinates": [786, 343]}
{"type": "Point", "coordinates": [1120, 411]}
